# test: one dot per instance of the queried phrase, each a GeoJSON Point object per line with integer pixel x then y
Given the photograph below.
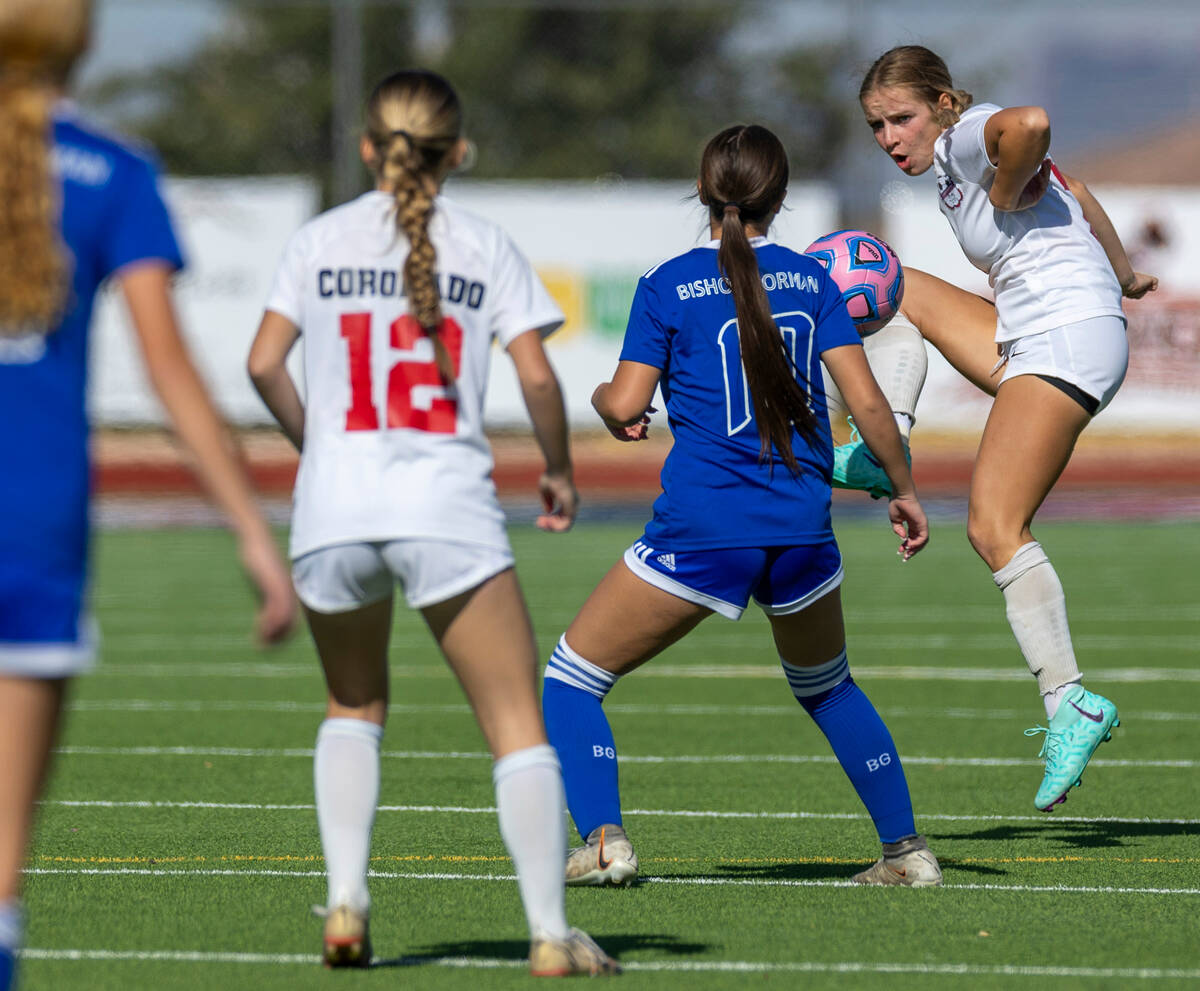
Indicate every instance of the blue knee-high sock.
{"type": "Point", "coordinates": [572, 693]}
{"type": "Point", "coordinates": [860, 740]}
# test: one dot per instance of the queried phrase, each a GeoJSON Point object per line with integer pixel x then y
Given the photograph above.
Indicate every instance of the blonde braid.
{"type": "Point", "coordinates": [402, 167]}
{"type": "Point", "coordinates": [33, 265]}
{"type": "Point", "coordinates": [413, 122]}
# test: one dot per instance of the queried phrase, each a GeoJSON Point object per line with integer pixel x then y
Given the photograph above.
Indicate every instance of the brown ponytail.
{"type": "Point", "coordinates": [743, 178]}
{"type": "Point", "coordinates": [413, 122]}
{"type": "Point", "coordinates": [39, 42]}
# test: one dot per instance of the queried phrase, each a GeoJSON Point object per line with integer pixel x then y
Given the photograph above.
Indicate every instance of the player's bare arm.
{"type": "Point", "coordinates": [544, 401]}
{"type": "Point", "coordinates": [1134, 285]}
{"type": "Point", "coordinates": [275, 338]}
{"type": "Point", "coordinates": [873, 417]}
{"type": "Point", "coordinates": [1017, 140]}
{"type": "Point", "coordinates": [624, 403]}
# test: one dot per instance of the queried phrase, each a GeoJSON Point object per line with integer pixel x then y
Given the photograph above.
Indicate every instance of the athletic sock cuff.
{"type": "Point", "coordinates": [567, 666]}
{"type": "Point", "coordinates": [1028, 557]}
{"type": "Point", "coordinates": [360, 728]}
{"type": "Point", "coordinates": [540, 755]}
{"type": "Point", "coordinates": [815, 680]}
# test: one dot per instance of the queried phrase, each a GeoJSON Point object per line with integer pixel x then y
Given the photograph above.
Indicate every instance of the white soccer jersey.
{"type": "Point", "coordinates": [389, 452]}
{"type": "Point", "coordinates": [1044, 264]}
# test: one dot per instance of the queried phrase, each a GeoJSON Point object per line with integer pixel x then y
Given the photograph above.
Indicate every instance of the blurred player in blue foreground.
{"type": "Point", "coordinates": [76, 207]}
{"type": "Point", "coordinates": [1059, 271]}
{"type": "Point", "coordinates": [734, 332]}
{"type": "Point", "coordinates": [399, 295]}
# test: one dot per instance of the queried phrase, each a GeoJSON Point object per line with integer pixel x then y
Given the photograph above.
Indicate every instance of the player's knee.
{"type": "Point", "coordinates": [993, 540]}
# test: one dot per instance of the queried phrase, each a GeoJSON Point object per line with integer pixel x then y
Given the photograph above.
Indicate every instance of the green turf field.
{"type": "Point", "coordinates": [178, 846]}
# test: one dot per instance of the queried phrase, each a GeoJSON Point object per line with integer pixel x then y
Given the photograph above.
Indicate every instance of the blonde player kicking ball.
{"type": "Point", "coordinates": [1059, 271]}
{"type": "Point", "coordinates": [399, 295]}
{"type": "Point", "coordinates": [745, 507]}
{"type": "Point", "coordinates": [78, 208]}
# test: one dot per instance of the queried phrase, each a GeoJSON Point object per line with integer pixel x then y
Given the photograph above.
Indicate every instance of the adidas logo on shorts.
{"type": "Point", "coordinates": [667, 561]}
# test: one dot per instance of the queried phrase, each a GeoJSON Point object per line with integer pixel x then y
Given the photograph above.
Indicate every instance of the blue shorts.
{"type": "Point", "coordinates": [782, 579]}
{"type": "Point", "coordinates": [45, 630]}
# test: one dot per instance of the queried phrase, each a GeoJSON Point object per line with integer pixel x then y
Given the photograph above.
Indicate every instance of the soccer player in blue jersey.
{"type": "Point", "coordinates": [734, 333]}
{"type": "Point", "coordinates": [76, 208]}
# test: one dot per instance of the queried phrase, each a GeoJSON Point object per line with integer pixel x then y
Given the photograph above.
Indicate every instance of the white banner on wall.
{"type": "Point", "coordinates": [1160, 228]}
{"type": "Point", "coordinates": [589, 243]}
{"type": "Point", "coordinates": [232, 232]}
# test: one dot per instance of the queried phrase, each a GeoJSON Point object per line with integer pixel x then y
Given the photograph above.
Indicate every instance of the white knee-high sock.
{"type": "Point", "coordinates": [1037, 613]}
{"type": "Point", "coordinates": [530, 800]}
{"type": "Point", "coordinates": [899, 362]}
{"type": "Point", "coordinates": [346, 777]}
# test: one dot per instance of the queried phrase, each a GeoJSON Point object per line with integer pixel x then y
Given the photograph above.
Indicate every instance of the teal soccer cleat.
{"type": "Point", "coordinates": [1083, 721]}
{"type": "Point", "coordinates": [855, 467]}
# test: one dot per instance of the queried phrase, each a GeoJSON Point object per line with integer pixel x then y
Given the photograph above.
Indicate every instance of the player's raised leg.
{"type": "Point", "coordinates": [624, 622]}
{"type": "Point", "coordinates": [487, 639]}
{"type": "Point", "coordinates": [1036, 424]}
{"type": "Point", "coordinates": [812, 648]}
{"type": "Point", "coordinates": [899, 362]}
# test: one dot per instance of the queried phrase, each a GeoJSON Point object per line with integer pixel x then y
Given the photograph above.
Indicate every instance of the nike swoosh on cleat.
{"type": "Point", "coordinates": [1096, 717]}
{"type": "Point", "coordinates": [600, 861]}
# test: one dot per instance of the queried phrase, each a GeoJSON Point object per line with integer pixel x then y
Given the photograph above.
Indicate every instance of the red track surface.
{"type": "Point", "coordinates": [146, 463]}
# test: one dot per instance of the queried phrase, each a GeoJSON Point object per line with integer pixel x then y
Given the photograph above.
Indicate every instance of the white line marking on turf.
{"type": "Point", "coordinates": [181, 751]}
{"type": "Point", "coordinates": [630, 709]}
{"type": "Point", "coordinates": [270, 669]}
{"type": "Point", "coordinates": [683, 813]}
{"type": "Point", "coordinates": [741, 882]}
{"type": "Point", "coordinates": [660, 966]}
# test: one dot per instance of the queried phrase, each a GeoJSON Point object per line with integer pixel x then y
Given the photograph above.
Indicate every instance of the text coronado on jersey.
{"type": "Point", "coordinates": [770, 280]}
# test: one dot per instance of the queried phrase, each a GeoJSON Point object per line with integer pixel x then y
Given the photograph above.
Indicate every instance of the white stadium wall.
{"type": "Point", "coordinates": [589, 243]}
{"type": "Point", "coordinates": [1162, 388]}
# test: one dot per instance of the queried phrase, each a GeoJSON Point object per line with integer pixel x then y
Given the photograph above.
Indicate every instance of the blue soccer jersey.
{"type": "Point", "coordinates": [111, 216]}
{"type": "Point", "coordinates": [716, 491]}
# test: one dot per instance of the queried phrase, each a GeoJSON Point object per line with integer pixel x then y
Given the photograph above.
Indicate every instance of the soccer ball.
{"type": "Point", "coordinates": [867, 272]}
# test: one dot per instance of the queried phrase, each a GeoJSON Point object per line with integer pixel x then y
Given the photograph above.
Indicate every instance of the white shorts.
{"type": "Point", "coordinates": [1091, 355]}
{"type": "Point", "coordinates": [343, 577]}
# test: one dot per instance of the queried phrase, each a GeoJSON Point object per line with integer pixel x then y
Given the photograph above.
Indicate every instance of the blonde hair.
{"type": "Point", "coordinates": [413, 122]}
{"type": "Point", "coordinates": [922, 71]}
{"type": "Point", "coordinates": [40, 40]}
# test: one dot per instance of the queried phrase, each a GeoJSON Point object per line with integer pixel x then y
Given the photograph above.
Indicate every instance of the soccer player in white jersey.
{"type": "Point", "coordinates": [735, 332]}
{"type": "Point", "coordinates": [399, 295]}
{"type": "Point", "coordinates": [1058, 271]}
{"type": "Point", "coordinates": [79, 208]}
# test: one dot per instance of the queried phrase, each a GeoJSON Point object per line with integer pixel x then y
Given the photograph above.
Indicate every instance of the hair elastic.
{"type": "Point", "coordinates": [734, 204]}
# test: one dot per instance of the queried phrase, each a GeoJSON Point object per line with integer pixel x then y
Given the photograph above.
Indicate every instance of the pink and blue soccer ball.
{"type": "Point", "coordinates": [867, 272]}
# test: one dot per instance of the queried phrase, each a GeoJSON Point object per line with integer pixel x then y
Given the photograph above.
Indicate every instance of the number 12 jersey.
{"type": "Point", "coordinates": [390, 451]}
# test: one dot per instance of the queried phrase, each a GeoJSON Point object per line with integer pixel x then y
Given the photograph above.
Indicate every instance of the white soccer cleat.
{"type": "Point", "coordinates": [606, 858]}
{"type": "Point", "coordinates": [909, 862]}
{"type": "Point", "coordinates": [577, 954]}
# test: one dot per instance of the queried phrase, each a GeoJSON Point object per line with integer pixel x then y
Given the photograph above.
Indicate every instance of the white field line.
{"type": "Point", "coordinates": [662, 813]}
{"type": "Point", "coordinates": [268, 669]}
{"type": "Point", "coordinates": [658, 966]}
{"type": "Point", "coordinates": [738, 882]}
{"type": "Point", "coordinates": [617, 708]}
{"type": "Point", "coordinates": [87, 751]}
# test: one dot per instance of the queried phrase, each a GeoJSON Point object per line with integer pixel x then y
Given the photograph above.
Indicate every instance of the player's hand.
{"type": "Point", "coordinates": [1139, 285]}
{"type": "Point", "coordinates": [909, 524]}
{"type": "Point", "coordinates": [1036, 187]}
{"type": "Point", "coordinates": [638, 430]}
{"type": "Point", "coordinates": [560, 501]}
{"type": "Point", "coordinates": [276, 598]}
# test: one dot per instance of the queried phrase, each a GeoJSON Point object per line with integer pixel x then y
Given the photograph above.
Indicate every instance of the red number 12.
{"type": "Point", "coordinates": [405, 376]}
